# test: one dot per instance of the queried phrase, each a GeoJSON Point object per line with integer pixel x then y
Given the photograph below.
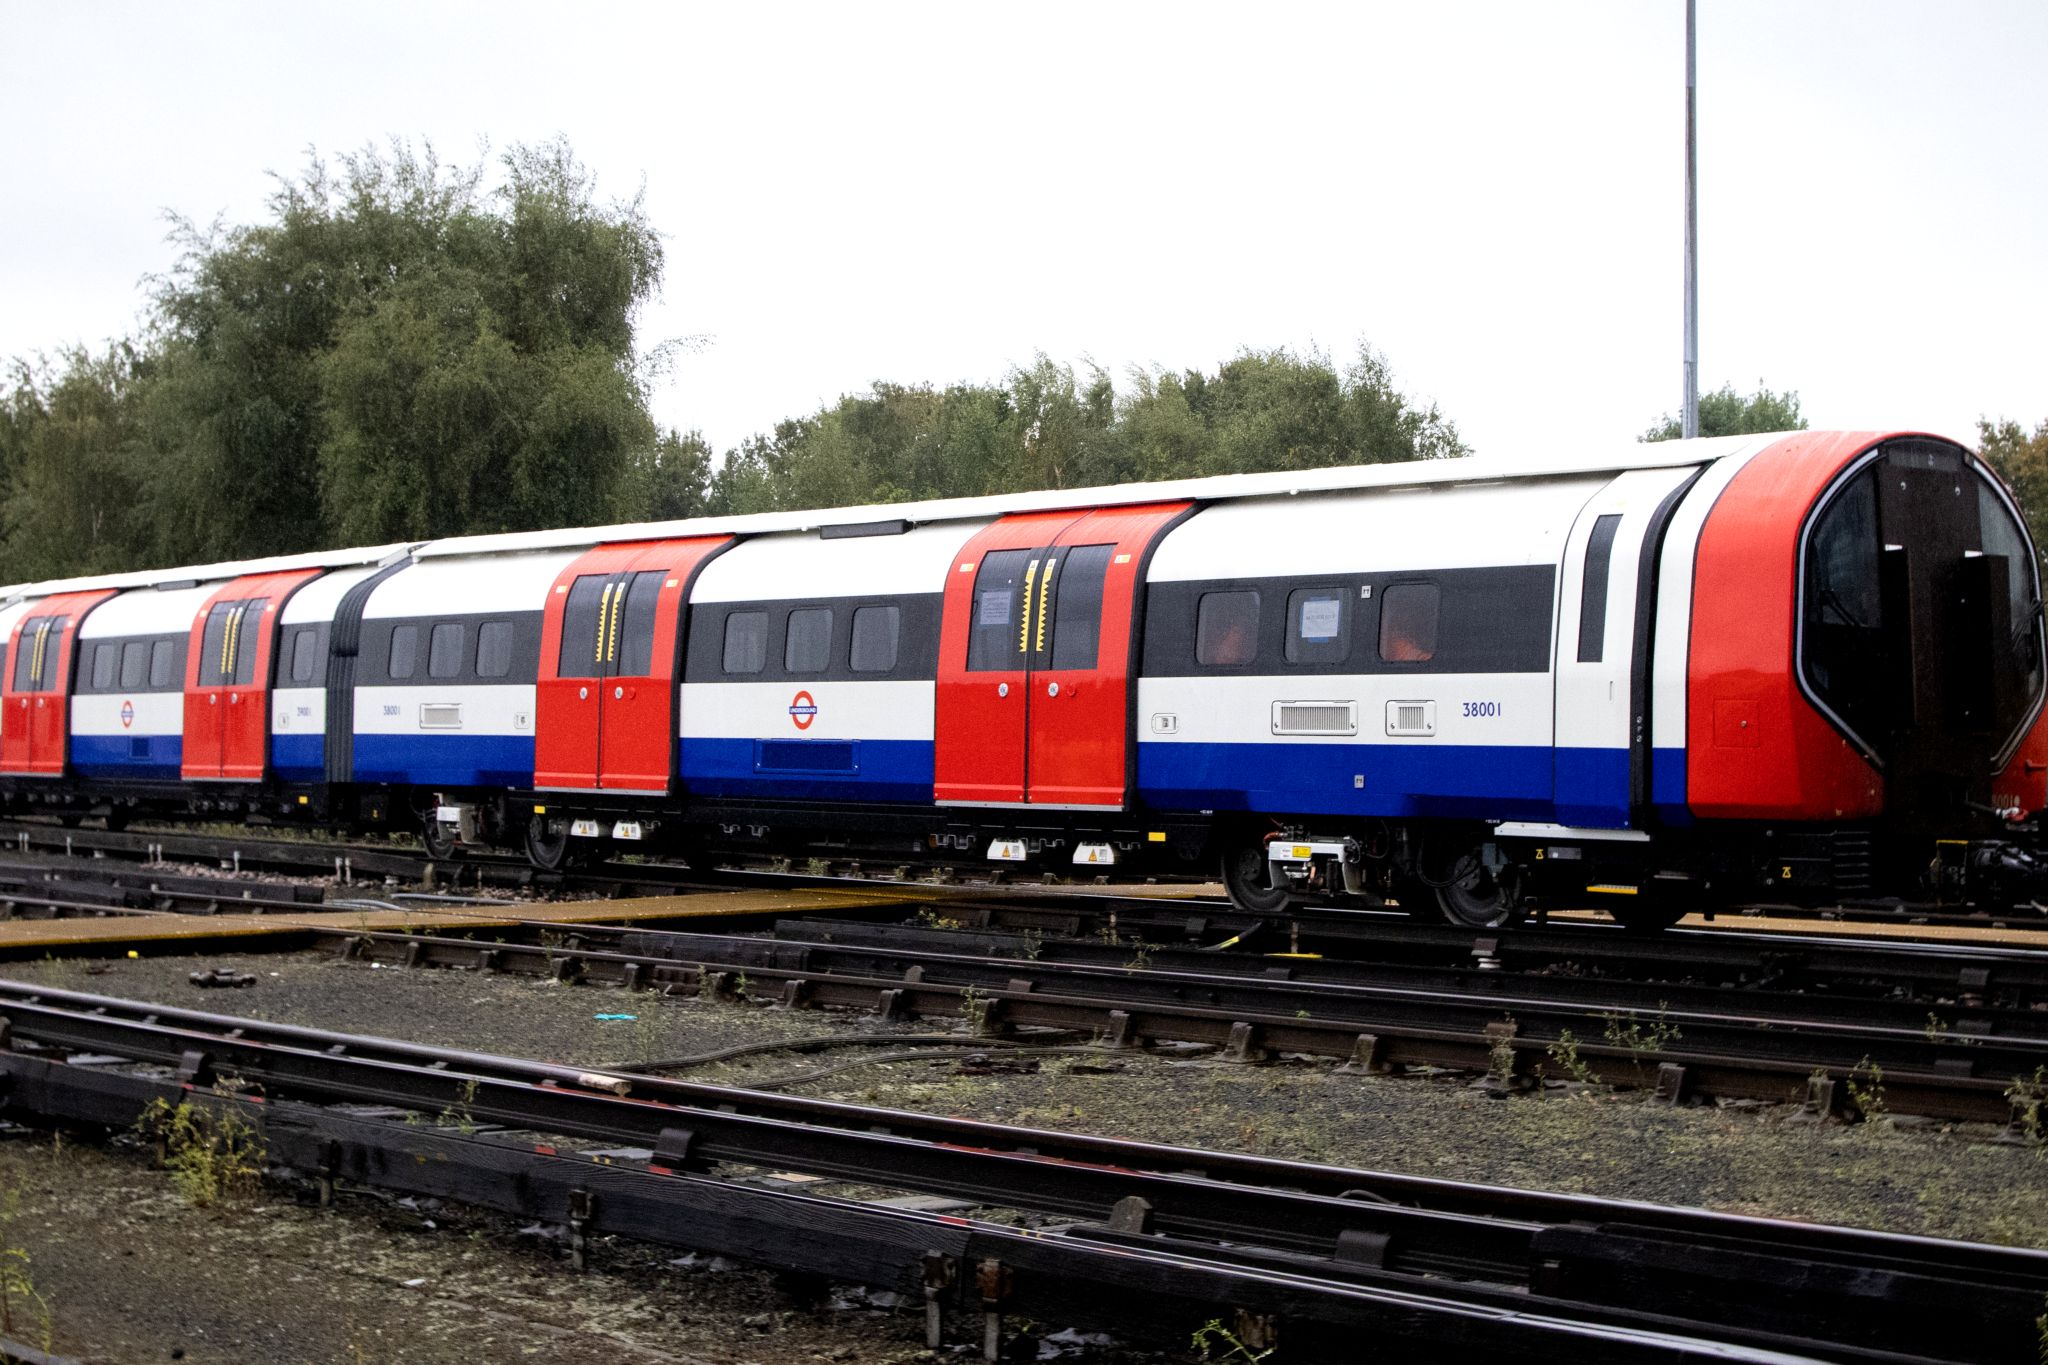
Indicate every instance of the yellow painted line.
{"type": "Point", "coordinates": [1616, 890]}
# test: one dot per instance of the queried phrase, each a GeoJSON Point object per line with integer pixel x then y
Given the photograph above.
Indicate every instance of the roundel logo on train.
{"type": "Point", "coordinates": [127, 713]}
{"type": "Point", "coordinates": [803, 709]}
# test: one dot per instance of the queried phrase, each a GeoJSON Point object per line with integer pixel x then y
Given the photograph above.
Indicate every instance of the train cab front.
{"type": "Point", "coordinates": [1919, 640]}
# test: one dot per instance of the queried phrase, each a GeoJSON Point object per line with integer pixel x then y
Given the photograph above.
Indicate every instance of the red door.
{"type": "Point", "coordinates": [227, 677]}
{"type": "Point", "coordinates": [992, 631]}
{"type": "Point", "coordinates": [1035, 659]}
{"type": "Point", "coordinates": [34, 724]}
{"type": "Point", "coordinates": [1081, 687]}
{"type": "Point", "coordinates": [610, 644]}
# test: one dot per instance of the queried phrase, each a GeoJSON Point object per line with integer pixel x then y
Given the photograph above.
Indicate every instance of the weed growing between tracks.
{"type": "Point", "coordinates": [213, 1155]}
{"type": "Point", "coordinates": [24, 1312]}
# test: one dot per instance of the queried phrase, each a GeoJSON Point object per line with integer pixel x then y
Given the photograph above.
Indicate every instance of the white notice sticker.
{"type": "Point", "coordinates": [995, 608]}
{"type": "Point", "coordinates": [1319, 616]}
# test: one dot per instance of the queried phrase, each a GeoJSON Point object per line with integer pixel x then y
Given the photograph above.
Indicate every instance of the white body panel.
{"type": "Point", "coordinates": [846, 710]}
{"type": "Point", "coordinates": [298, 711]}
{"type": "Point", "coordinates": [803, 566]}
{"type": "Point", "coordinates": [147, 612]}
{"type": "Point", "coordinates": [1196, 710]}
{"type": "Point", "coordinates": [1403, 528]}
{"type": "Point", "coordinates": [478, 583]}
{"type": "Point", "coordinates": [154, 714]}
{"type": "Point", "coordinates": [319, 599]}
{"type": "Point", "coordinates": [456, 708]}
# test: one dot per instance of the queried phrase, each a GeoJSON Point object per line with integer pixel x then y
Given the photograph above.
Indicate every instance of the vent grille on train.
{"type": "Point", "coordinates": [1411, 718]}
{"type": "Point", "coordinates": [1315, 718]}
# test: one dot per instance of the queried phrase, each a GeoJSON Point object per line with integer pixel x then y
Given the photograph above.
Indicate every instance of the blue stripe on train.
{"type": "Point", "coordinates": [453, 760]}
{"type": "Point", "coordinates": [132, 757]}
{"type": "Point", "coordinates": [1449, 781]}
{"type": "Point", "coordinates": [808, 769]}
{"type": "Point", "coordinates": [299, 758]}
{"type": "Point", "coordinates": [1592, 788]}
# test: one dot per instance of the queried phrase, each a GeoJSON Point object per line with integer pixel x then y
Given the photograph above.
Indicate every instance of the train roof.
{"type": "Point", "coordinates": [1343, 478]}
{"type": "Point", "coordinates": [1336, 479]}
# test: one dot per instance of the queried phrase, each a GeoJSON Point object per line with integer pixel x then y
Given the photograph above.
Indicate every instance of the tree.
{"type": "Point", "coordinates": [2022, 461]}
{"type": "Point", "coordinates": [1724, 412]}
{"type": "Point", "coordinates": [75, 474]}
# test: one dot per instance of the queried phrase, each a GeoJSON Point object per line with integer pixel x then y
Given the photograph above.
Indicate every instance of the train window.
{"type": "Point", "coordinates": [999, 634]}
{"type": "Point", "coordinates": [494, 649]}
{"type": "Point", "coordinates": [25, 655]}
{"type": "Point", "coordinates": [2000, 535]}
{"type": "Point", "coordinates": [1593, 590]}
{"type": "Point", "coordinates": [635, 655]}
{"type": "Point", "coordinates": [1077, 605]}
{"type": "Point", "coordinates": [1318, 625]}
{"type": "Point", "coordinates": [163, 665]}
{"type": "Point", "coordinates": [405, 651]}
{"type": "Point", "coordinates": [582, 652]}
{"type": "Point", "coordinates": [746, 642]}
{"type": "Point", "coordinates": [444, 651]}
{"type": "Point", "coordinates": [1842, 623]}
{"type": "Point", "coordinates": [1227, 629]}
{"type": "Point", "coordinates": [1408, 618]}
{"type": "Point", "coordinates": [134, 665]}
{"type": "Point", "coordinates": [305, 653]}
{"type": "Point", "coordinates": [216, 659]}
{"type": "Point", "coordinates": [106, 665]}
{"type": "Point", "coordinates": [808, 645]}
{"type": "Point", "coordinates": [875, 632]}
{"type": "Point", "coordinates": [246, 633]}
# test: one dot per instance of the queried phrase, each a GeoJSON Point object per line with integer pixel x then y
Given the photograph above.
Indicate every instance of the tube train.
{"type": "Point", "coordinates": [1801, 667]}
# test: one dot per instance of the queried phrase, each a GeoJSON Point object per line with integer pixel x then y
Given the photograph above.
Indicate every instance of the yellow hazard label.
{"type": "Point", "coordinates": [1303, 851]}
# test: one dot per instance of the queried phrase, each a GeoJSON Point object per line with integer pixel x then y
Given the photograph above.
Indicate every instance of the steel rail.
{"type": "Point", "coordinates": [1752, 1050]}
{"type": "Point", "coordinates": [966, 1267]}
{"type": "Point", "coordinates": [1877, 1292]}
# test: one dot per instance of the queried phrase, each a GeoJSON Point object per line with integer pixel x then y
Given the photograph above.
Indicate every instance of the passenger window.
{"type": "Point", "coordinates": [405, 652]}
{"type": "Point", "coordinates": [808, 647]}
{"type": "Point", "coordinates": [999, 634]}
{"type": "Point", "coordinates": [106, 665]}
{"type": "Point", "coordinates": [1318, 626]}
{"type": "Point", "coordinates": [582, 651]}
{"type": "Point", "coordinates": [746, 642]}
{"type": "Point", "coordinates": [444, 651]}
{"type": "Point", "coordinates": [1077, 605]}
{"type": "Point", "coordinates": [163, 666]}
{"type": "Point", "coordinates": [1593, 591]}
{"type": "Point", "coordinates": [305, 653]}
{"type": "Point", "coordinates": [25, 655]}
{"type": "Point", "coordinates": [635, 655]}
{"type": "Point", "coordinates": [1227, 629]}
{"type": "Point", "coordinates": [494, 649]}
{"type": "Point", "coordinates": [134, 665]}
{"type": "Point", "coordinates": [1408, 617]}
{"type": "Point", "coordinates": [875, 631]}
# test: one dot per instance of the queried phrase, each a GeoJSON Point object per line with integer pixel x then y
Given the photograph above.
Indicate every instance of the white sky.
{"type": "Point", "coordinates": [1490, 193]}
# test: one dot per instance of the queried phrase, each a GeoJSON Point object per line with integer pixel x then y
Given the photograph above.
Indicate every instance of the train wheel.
{"type": "Point", "coordinates": [1246, 877]}
{"type": "Point", "coordinates": [440, 846]}
{"type": "Point", "coordinates": [547, 849]}
{"type": "Point", "coordinates": [1473, 895]}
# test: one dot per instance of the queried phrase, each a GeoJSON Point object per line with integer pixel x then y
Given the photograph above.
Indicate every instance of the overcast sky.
{"type": "Point", "coordinates": [1489, 194]}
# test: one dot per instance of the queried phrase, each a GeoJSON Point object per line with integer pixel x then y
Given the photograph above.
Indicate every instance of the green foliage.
{"type": "Point", "coordinates": [395, 352]}
{"type": "Point", "coordinates": [1213, 1335]}
{"type": "Point", "coordinates": [1565, 1052]}
{"type": "Point", "coordinates": [1725, 412]}
{"type": "Point", "coordinates": [2022, 461]}
{"type": "Point", "coordinates": [214, 1157]}
{"type": "Point", "coordinates": [1050, 426]}
{"type": "Point", "coordinates": [403, 349]}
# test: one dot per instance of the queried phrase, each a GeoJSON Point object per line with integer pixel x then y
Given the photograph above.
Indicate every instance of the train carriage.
{"type": "Point", "coordinates": [1789, 667]}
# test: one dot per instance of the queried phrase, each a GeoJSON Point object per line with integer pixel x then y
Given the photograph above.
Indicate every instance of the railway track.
{"type": "Point", "coordinates": [1149, 1239]}
{"type": "Point", "coordinates": [1305, 923]}
{"type": "Point", "coordinates": [1834, 1053]}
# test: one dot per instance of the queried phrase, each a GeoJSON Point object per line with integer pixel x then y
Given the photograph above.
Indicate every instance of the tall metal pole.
{"type": "Point", "coordinates": [1689, 425]}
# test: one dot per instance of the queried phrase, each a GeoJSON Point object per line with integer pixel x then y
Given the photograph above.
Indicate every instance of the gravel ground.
{"type": "Point", "coordinates": [488, 1294]}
